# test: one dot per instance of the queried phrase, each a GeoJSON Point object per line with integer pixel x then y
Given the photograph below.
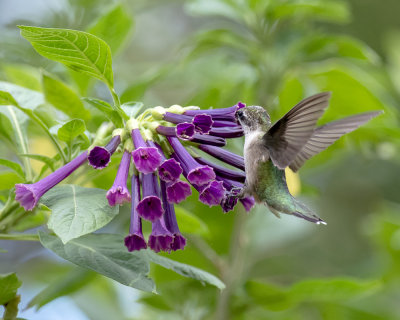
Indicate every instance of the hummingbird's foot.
{"type": "Point", "coordinates": [235, 193]}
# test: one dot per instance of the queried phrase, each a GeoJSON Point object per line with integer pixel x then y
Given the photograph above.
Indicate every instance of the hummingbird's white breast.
{"type": "Point", "coordinates": [254, 154]}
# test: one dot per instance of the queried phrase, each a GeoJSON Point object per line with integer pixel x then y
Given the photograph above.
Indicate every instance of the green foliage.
{"type": "Point", "coordinates": [9, 284]}
{"type": "Point", "coordinates": [63, 98]}
{"type": "Point", "coordinates": [72, 282]}
{"type": "Point", "coordinates": [70, 130]}
{"type": "Point", "coordinates": [270, 53]}
{"type": "Point", "coordinates": [185, 270]}
{"type": "Point", "coordinates": [113, 27]}
{"type": "Point", "coordinates": [78, 50]}
{"type": "Point", "coordinates": [14, 166]}
{"type": "Point", "coordinates": [315, 291]}
{"type": "Point", "coordinates": [107, 110]}
{"type": "Point", "coordinates": [90, 210]}
{"type": "Point", "coordinates": [107, 255]}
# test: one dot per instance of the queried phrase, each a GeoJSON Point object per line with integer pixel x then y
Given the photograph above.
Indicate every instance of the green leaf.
{"type": "Point", "coordinates": [24, 97]}
{"type": "Point", "coordinates": [14, 166]}
{"type": "Point", "coordinates": [33, 220]}
{"type": "Point", "coordinates": [314, 290]}
{"type": "Point", "coordinates": [63, 97]}
{"type": "Point", "coordinates": [113, 27]}
{"type": "Point", "coordinates": [132, 108]}
{"type": "Point", "coordinates": [78, 50]}
{"type": "Point", "coordinates": [184, 269]}
{"type": "Point", "coordinates": [105, 254]}
{"type": "Point", "coordinates": [72, 282]}
{"type": "Point", "coordinates": [7, 99]}
{"type": "Point", "coordinates": [23, 75]}
{"type": "Point", "coordinates": [71, 129]}
{"type": "Point", "coordinates": [326, 10]}
{"type": "Point", "coordinates": [9, 179]}
{"type": "Point", "coordinates": [18, 119]}
{"type": "Point", "coordinates": [77, 211]}
{"type": "Point", "coordinates": [107, 110]}
{"type": "Point", "coordinates": [47, 160]}
{"type": "Point", "coordinates": [9, 284]}
{"type": "Point", "coordinates": [190, 223]}
{"type": "Point", "coordinates": [335, 289]}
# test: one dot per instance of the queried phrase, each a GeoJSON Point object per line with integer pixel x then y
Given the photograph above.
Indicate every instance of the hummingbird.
{"type": "Point", "coordinates": [289, 142]}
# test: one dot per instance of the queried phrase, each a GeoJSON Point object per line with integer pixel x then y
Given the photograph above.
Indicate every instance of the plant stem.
{"type": "Point", "coordinates": [232, 276]}
{"type": "Point", "coordinates": [117, 104]}
{"type": "Point", "coordinates": [52, 138]}
{"type": "Point", "coordinates": [208, 252]}
{"type": "Point", "coordinates": [19, 237]}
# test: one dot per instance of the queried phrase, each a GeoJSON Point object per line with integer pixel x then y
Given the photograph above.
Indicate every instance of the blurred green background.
{"type": "Point", "coordinates": [215, 53]}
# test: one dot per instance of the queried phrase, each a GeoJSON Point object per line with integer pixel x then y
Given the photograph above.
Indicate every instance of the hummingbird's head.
{"type": "Point", "coordinates": [253, 118]}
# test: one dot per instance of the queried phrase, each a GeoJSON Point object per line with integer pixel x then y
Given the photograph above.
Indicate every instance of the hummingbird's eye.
{"type": "Point", "coordinates": [239, 114]}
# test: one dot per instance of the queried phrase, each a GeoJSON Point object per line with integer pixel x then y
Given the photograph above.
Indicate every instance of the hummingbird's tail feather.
{"type": "Point", "coordinates": [295, 208]}
{"type": "Point", "coordinates": [316, 220]}
{"type": "Point", "coordinates": [304, 212]}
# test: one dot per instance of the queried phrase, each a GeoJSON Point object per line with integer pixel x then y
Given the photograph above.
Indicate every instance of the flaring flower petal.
{"type": "Point", "coordinates": [28, 195]}
{"type": "Point", "coordinates": [213, 194]}
{"type": "Point", "coordinates": [178, 191]}
{"type": "Point", "coordinates": [203, 123]}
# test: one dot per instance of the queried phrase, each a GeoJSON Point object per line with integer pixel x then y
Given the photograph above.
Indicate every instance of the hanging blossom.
{"type": "Point", "coordinates": [172, 151]}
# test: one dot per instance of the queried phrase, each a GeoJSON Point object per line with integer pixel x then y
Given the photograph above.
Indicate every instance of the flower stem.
{"type": "Point", "coordinates": [19, 237]}
{"type": "Point", "coordinates": [117, 104]}
{"type": "Point", "coordinates": [52, 138]}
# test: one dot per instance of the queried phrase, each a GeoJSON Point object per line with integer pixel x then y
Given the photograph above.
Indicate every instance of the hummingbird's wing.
{"type": "Point", "coordinates": [327, 134]}
{"type": "Point", "coordinates": [288, 135]}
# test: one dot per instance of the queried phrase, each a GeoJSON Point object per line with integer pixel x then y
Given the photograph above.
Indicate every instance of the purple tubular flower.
{"type": "Point", "coordinates": [226, 114]}
{"type": "Point", "coordinates": [178, 191]}
{"type": "Point", "coordinates": [119, 193]}
{"type": "Point", "coordinates": [213, 194]}
{"type": "Point", "coordinates": [195, 173]}
{"type": "Point", "coordinates": [222, 124]}
{"type": "Point", "coordinates": [171, 224]}
{"type": "Point", "coordinates": [207, 139]}
{"type": "Point", "coordinates": [135, 240]}
{"type": "Point", "coordinates": [248, 203]}
{"type": "Point", "coordinates": [198, 138]}
{"type": "Point", "coordinates": [202, 123]}
{"type": "Point", "coordinates": [185, 130]}
{"type": "Point", "coordinates": [224, 155]}
{"type": "Point", "coordinates": [222, 171]}
{"type": "Point", "coordinates": [160, 238]}
{"type": "Point", "coordinates": [147, 159]}
{"type": "Point", "coordinates": [28, 195]}
{"type": "Point", "coordinates": [227, 132]}
{"type": "Point", "coordinates": [170, 169]}
{"type": "Point", "coordinates": [166, 131]}
{"type": "Point", "coordinates": [150, 207]}
{"type": "Point", "coordinates": [99, 157]}
{"type": "Point", "coordinates": [176, 118]}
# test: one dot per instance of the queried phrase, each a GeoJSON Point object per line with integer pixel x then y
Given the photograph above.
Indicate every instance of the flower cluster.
{"type": "Point", "coordinates": [163, 144]}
